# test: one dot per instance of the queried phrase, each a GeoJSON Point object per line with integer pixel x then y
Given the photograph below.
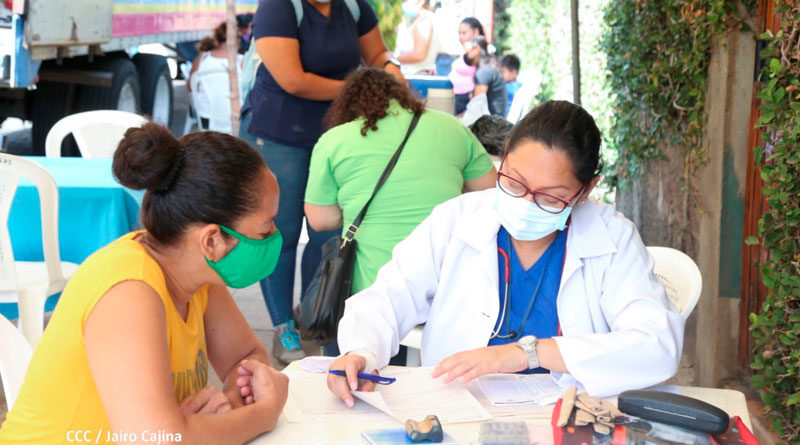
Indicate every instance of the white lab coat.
{"type": "Point", "coordinates": [619, 330]}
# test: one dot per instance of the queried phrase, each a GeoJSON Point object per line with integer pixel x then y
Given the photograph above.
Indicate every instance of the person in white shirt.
{"type": "Point", "coordinates": [417, 45]}
{"type": "Point", "coordinates": [532, 276]}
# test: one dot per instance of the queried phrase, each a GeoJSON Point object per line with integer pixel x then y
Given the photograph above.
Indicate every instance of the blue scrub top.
{"type": "Point", "coordinates": [543, 319]}
{"type": "Point", "coordinates": [511, 89]}
{"type": "Point", "coordinates": [328, 48]}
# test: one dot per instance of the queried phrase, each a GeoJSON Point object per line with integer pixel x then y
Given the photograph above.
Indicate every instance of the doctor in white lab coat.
{"type": "Point", "coordinates": [616, 329]}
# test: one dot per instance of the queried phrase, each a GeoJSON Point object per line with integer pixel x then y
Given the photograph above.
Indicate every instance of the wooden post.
{"type": "Point", "coordinates": [576, 54]}
{"type": "Point", "coordinates": [232, 43]}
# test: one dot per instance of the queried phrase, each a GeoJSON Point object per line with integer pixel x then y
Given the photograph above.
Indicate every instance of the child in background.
{"type": "Point", "coordinates": [509, 66]}
{"type": "Point", "coordinates": [463, 78]}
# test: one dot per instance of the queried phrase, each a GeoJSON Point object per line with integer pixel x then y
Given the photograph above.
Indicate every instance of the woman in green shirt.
{"type": "Point", "coordinates": [367, 122]}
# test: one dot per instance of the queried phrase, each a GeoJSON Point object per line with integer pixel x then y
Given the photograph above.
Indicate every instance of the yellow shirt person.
{"type": "Point", "coordinates": [125, 358]}
{"type": "Point", "coordinates": [59, 375]}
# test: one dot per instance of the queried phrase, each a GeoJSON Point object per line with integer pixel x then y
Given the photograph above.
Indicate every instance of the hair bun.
{"type": "Point", "coordinates": [145, 156]}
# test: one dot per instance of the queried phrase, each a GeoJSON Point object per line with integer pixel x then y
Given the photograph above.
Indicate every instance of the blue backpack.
{"type": "Point", "coordinates": [247, 78]}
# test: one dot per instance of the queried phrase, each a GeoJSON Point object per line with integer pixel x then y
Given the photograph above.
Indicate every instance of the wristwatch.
{"type": "Point", "coordinates": [528, 345]}
{"type": "Point", "coordinates": [393, 61]}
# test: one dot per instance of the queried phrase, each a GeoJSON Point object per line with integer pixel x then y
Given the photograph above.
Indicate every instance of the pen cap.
{"type": "Point", "coordinates": [674, 409]}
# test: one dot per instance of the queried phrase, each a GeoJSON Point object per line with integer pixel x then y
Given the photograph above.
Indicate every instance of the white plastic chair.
{"type": "Point", "coordinates": [521, 103]}
{"type": "Point", "coordinates": [676, 271]}
{"type": "Point", "coordinates": [15, 354]}
{"type": "Point", "coordinates": [211, 89]}
{"type": "Point", "coordinates": [680, 276]}
{"type": "Point", "coordinates": [29, 283]}
{"type": "Point", "coordinates": [97, 133]}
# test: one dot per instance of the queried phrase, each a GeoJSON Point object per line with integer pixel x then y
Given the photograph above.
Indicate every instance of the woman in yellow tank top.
{"type": "Point", "coordinates": [125, 356]}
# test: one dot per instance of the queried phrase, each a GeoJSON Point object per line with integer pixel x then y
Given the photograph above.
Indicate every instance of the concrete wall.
{"type": "Point", "coordinates": [666, 216]}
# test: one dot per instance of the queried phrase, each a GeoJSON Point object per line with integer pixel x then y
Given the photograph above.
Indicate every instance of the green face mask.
{"type": "Point", "coordinates": [250, 261]}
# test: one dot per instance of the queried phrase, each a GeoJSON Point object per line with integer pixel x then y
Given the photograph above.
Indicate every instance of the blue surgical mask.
{"type": "Point", "coordinates": [410, 10]}
{"type": "Point", "coordinates": [524, 220]}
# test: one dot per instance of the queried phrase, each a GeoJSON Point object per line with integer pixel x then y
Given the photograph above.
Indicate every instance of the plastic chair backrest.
{"type": "Point", "coordinates": [12, 168]}
{"type": "Point", "coordinates": [15, 354]}
{"type": "Point", "coordinates": [680, 276]}
{"type": "Point", "coordinates": [521, 103]}
{"type": "Point", "coordinates": [214, 87]}
{"type": "Point", "coordinates": [97, 133]}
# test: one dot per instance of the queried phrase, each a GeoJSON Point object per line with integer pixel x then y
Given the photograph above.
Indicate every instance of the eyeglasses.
{"type": "Point", "coordinates": [545, 201]}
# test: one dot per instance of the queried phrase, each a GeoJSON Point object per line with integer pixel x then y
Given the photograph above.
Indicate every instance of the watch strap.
{"type": "Point", "coordinates": [530, 353]}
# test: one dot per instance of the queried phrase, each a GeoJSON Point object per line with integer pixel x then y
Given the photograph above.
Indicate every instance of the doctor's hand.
{"type": "Point", "coordinates": [468, 365]}
{"type": "Point", "coordinates": [340, 386]}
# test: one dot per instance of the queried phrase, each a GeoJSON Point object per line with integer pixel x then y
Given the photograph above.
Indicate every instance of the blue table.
{"type": "Point", "coordinates": [94, 209]}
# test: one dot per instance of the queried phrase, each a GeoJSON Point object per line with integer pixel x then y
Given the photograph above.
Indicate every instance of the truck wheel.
{"type": "Point", "coordinates": [156, 83]}
{"type": "Point", "coordinates": [122, 95]}
{"type": "Point", "coordinates": [49, 106]}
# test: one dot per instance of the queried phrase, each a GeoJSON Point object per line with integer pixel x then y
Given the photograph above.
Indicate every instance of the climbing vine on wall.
{"type": "Point", "coordinates": [776, 329]}
{"type": "Point", "coordinates": [658, 57]}
{"type": "Point", "coordinates": [530, 36]}
{"type": "Point", "coordinates": [389, 14]}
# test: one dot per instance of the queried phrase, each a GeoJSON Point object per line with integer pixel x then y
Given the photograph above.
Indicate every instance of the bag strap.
{"type": "Point", "coordinates": [351, 231]}
{"type": "Point", "coordinates": [355, 10]}
{"type": "Point", "coordinates": [298, 11]}
{"type": "Point", "coordinates": [352, 5]}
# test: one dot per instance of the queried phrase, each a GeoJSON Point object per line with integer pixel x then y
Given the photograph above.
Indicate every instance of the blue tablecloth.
{"type": "Point", "coordinates": [93, 211]}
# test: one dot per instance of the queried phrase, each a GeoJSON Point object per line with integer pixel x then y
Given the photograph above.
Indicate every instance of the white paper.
{"type": "Point", "coordinates": [414, 395]}
{"type": "Point", "coordinates": [310, 401]}
{"type": "Point", "coordinates": [509, 389]}
{"type": "Point", "coordinates": [375, 399]}
{"type": "Point", "coordinates": [317, 363]}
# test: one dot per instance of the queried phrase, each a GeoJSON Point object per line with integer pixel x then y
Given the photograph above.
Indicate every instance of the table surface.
{"type": "Point", "coordinates": [536, 418]}
{"type": "Point", "coordinates": [90, 202]}
{"type": "Point", "coordinates": [92, 205]}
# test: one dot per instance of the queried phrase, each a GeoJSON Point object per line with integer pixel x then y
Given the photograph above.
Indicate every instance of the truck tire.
{"type": "Point", "coordinates": [49, 106]}
{"type": "Point", "coordinates": [124, 92]}
{"type": "Point", "coordinates": [156, 83]}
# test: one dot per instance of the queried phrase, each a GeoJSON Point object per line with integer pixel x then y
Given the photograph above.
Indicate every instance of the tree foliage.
{"type": "Point", "coordinates": [776, 328]}
{"type": "Point", "coordinates": [658, 57]}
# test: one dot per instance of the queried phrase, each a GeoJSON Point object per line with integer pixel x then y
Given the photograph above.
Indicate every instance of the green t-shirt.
{"type": "Point", "coordinates": [345, 166]}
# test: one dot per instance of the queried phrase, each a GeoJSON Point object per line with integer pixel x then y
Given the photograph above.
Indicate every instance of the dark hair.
{"type": "Point", "coordinates": [205, 177]}
{"type": "Point", "coordinates": [366, 93]}
{"type": "Point", "coordinates": [562, 125]}
{"type": "Point", "coordinates": [486, 58]}
{"type": "Point", "coordinates": [217, 38]}
{"type": "Point", "coordinates": [244, 20]}
{"type": "Point", "coordinates": [510, 62]}
{"type": "Point", "coordinates": [474, 24]}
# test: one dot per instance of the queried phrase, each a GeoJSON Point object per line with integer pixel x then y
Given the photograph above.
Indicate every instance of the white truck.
{"type": "Point", "coordinates": [59, 57]}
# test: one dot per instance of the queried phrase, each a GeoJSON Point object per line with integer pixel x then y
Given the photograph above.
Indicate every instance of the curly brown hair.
{"type": "Point", "coordinates": [217, 38]}
{"type": "Point", "coordinates": [366, 93]}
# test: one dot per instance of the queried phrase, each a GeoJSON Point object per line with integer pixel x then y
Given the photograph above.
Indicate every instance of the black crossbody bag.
{"type": "Point", "coordinates": [323, 302]}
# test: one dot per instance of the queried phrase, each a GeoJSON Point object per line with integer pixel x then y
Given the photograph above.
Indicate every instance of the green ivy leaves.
{"type": "Point", "coordinates": [658, 58]}
{"type": "Point", "coordinates": [776, 328]}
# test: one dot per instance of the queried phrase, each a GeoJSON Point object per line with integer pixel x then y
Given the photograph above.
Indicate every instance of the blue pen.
{"type": "Point", "coordinates": [363, 375]}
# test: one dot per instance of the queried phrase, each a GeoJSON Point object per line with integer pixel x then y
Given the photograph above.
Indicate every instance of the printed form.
{"type": "Point", "coordinates": [511, 389]}
{"type": "Point", "coordinates": [414, 395]}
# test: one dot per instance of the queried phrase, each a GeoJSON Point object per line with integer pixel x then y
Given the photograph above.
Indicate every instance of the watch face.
{"type": "Point", "coordinates": [528, 339]}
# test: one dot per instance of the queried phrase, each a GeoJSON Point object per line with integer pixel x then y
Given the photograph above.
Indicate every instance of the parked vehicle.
{"type": "Point", "coordinates": [59, 57]}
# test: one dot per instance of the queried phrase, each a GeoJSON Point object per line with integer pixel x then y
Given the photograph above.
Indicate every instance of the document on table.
{"type": "Point", "coordinates": [508, 389]}
{"type": "Point", "coordinates": [414, 395]}
{"type": "Point", "coordinates": [310, 401]}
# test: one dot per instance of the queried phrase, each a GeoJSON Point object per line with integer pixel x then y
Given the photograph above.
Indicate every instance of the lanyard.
{"type": "Point", "coordinates": [507, 279]}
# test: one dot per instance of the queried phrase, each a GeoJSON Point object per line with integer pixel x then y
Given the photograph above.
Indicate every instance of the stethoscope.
{"type": "Point", "coordinates": [507, 281]}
